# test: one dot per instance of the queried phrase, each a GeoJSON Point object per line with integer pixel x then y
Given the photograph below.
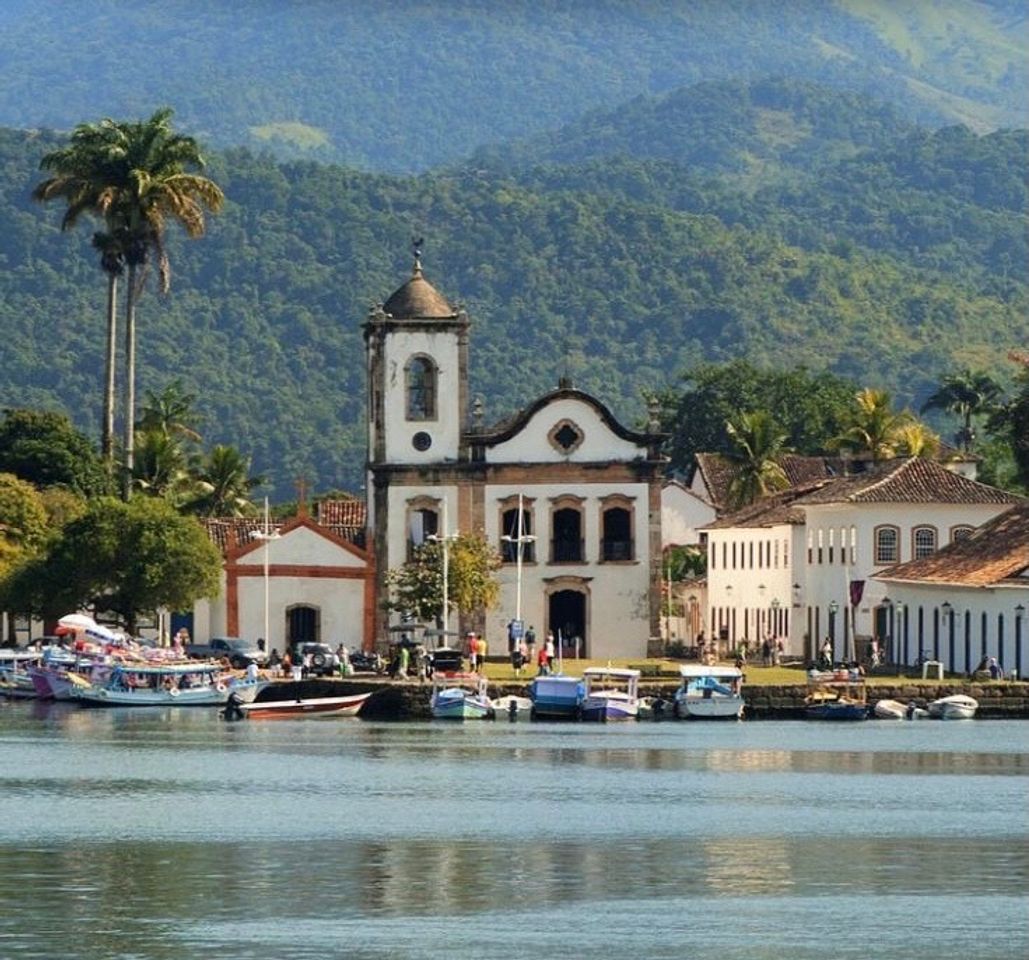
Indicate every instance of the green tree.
{"type": "Point", "coordinates": [23, 521]}
{"type": "Point", "coordinates": [45, 449]}
{"type": "Point", "coordinates": [758, 445]}
{"type": "Point", "coordinates": [171, 412]}
{"type": "Point", "coordinates": [129, 558]}
{"type": "Point", "coordinates": [810, 406]}
{"type": "Point", "coordinates": [82, 173]}
{"type": "Point", "coordinates": [967, 394]}
{"type": "Point", "coordinates": [417, 587]}
{"type": "Point", "coordinates": [225, 485]}
{"type": "Point", "coordinates": [875, 429]}
{"type": "Point", "coordinates": [1010, 422]}
{"type": "Point", "coordinates": [160, 467]}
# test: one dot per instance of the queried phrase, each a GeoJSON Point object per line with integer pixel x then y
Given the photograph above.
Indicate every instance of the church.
{"type": "Point", "coordinates": [561, 482]}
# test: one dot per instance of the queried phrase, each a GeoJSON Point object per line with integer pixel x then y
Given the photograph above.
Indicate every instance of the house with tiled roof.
{"type": "Point", "coordinates": [302, 579]}
{"type": "Point", "coordinates": [968, 600]}
{"type": "Point", "coordinates": [801, 563]}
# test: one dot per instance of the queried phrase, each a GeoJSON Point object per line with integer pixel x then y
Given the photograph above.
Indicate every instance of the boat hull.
{"type": "Point", "coordinates": [556, 697]}
{"type": "Point", "coordinates": [957, 707]}
{"type": "Point", "coordinates": [837, 711]}
{"type": "Point", "coordinates": [606, 709]}
{"type": "Point", "coordinates": [321, 707]}
{"type": "Point", "coordinates": [451, 706]}
{"type": "Point", "coordinates": [709, 708]}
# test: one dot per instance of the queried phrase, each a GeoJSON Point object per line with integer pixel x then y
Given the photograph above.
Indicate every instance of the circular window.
{"type": "Point", "coordinates": [421, 441]}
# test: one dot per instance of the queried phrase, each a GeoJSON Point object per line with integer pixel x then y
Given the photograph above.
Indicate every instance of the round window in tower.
{"type": "Point", "coordinates": [421, 441]}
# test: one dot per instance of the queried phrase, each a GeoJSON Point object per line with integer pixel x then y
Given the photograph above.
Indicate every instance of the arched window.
{"type": "Point", "coordinates": [566, 523]}
{"type": "Point", "coordinates": [887, 545]}
{"type": "Point", "coordinates": [962, 532]}
{"type": "Point", "coordinates": [616, 523]}
{"type": "Point", "coordinates": [421, 376]}
{"type": "Point", "coordinates": [422, 522]}
{"type": "Point", "coordinates": [923, 541]}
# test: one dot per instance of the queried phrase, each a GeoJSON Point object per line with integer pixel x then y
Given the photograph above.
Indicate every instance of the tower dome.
{"type": "Point", "coordinates": [418, 299]}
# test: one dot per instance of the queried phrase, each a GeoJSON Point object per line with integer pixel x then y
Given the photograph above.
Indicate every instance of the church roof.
{"type": "Point", "coordinates": [417, 299]}
{"type": "Point", "coordinates": [343, 518]}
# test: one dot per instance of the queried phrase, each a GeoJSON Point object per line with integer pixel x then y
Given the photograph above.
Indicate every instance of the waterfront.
{"type": "Point", "coordinates": [169, 834]}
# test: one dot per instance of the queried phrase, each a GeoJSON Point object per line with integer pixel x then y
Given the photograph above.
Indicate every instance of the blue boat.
{"type": "Point", "coordinates": [557, 697]}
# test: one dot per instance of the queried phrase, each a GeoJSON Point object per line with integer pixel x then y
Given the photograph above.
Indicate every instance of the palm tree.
{"type": "Point", "coordinates": [224, 485]}
{"type": "Point", "coordinates": [82, 171]}
{"type": "Point", "coordinates": [968, 394]}
{"type": "Point", "coordinates": [160, 466]}
{"type": "Point", "coordinates": [915, 439]}
{"type": "Point", "coordinates": [153, 187]}
{"type": "Point", "coordinates": [874, 429]}
{"type": "Point", "coordinates": [170, 413]}
{"type": "Point", "coordinates": [759, 446]}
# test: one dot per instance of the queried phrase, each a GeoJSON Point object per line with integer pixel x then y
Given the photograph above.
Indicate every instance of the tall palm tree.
{"type": "Point", "coordinates": [875, 428]}
{"type": "Point", "coordinates": [224, 485]}
{"type": "Point", "coordinates": [154, 186]}
{"type": "Point", "coordinates": [759, 446]}
{"type": "Point", "coordinates": [967, 393]}
{"type": "Point", "coordinates": [160, 466]}
{"type": "Point", "coordinates": [82, 170]}
{"type": "Point", "coordinates": [170, 412]}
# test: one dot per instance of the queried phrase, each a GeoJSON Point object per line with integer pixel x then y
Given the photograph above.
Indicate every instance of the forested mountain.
{"type": "Point", "coordinates": [620, 271]}
{"type": "Point", "coordinates": [406, 85]}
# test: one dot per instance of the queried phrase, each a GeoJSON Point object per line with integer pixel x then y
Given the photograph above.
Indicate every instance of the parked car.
{"type": "Point", "coordinates": [240, 653]}
{"type": "Point", "coordinates": [324, 661]}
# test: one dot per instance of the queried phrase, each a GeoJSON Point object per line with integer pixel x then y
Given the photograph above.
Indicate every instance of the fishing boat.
{"type": "Point", "coordinates": [839, 695]}
{"type": "Point", "coordinates": [347, 706]}
{"type": "Point", "coordinates": [956, 707]}
{"type": "Point", "coordinates": [709, 693]}
{"type": "Point", "coordinates": [460, 696]}
{"type": "Point", "coordinates": [193, 684]}
{"type": "Point", "coordinates": [895, 710]}
{"type": "Point", "coordinates": [557, 697]}
{"type": "Point", "coordinates": [610, 694]}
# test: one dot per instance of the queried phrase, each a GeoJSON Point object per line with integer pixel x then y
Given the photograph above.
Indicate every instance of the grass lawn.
{"type": "Point", "coordinates": [664, 670]}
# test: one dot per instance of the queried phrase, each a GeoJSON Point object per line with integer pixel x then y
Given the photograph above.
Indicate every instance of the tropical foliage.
{"type": "Point", "coordinates": [874, 429]}
{"type": "Point", "coordinates": [967, 394]}
{"type": "Point", "coordinates": [758, 446]}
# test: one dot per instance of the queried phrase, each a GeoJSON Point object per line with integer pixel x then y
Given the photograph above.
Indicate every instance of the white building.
{"type": "Point", "coordinates": [800, 564]}
{"type": "Point", "coordinates": [966, 601]}
{"type": "Point", "coordinates": [589, 488]}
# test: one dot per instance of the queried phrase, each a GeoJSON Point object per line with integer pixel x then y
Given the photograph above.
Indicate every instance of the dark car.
{"type": "Point", "coordinates": [324, 661]}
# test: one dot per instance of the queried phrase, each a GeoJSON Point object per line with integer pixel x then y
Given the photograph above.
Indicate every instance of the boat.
{"type": "Point", "coordinates": [556, 697]}
{"type": "Point", "coordinates": [611, 694]}
{"type": "Point", "coordinates": [709, 693]}
{"type": "Point", "coordinates": [191, 684]}
{"type": "Point", "coordinates": [347, 706]}
{"type": "Point", "coordinates": [655, 708]}
{"type": "Point", "coordinates": [513, 707]}
{"type": "Point", "coordinates": [460, 696]}
{"type": "Point", "coordinates": [956, 707]}
{"type": "Point", "coordinates": [836, 695]}
{"type": "Point", "coordinates": [15, 679]}
{"type": "Point", "coordinates": [895, 710]}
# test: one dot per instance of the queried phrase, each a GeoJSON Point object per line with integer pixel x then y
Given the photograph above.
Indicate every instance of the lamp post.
{"type": "Point", "coordinates": [519, 541]}
{"type": "Point", "coordinates": [1019, 614]}
{"type": "Point", "coordinates": [267, 535]}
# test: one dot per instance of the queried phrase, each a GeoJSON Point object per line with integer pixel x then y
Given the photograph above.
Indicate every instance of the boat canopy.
{"type": "Point", "coordinates": [613, 672]}
{"type": "Point", "coordinates": [691, 671]}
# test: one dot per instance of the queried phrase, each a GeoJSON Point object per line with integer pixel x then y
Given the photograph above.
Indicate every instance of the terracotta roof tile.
{"type": "Point", "coordinates": [344, 512]}
{"type": "Point", "coordinates": [910, 480]}
{"type": "Point", "coordinates": [718, 472]}
{"type": "Point", "coordinates": [771, 511]}
{"type": "Point", "coordinates": [995, 552]}
{"type": "Point", "coordinates": [344, 518]}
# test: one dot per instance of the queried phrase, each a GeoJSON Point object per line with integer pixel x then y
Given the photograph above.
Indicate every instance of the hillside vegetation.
{"type": "Point", "coordinates": [407, 85]}
{"type": "Point", "coordinates": [620, 271]}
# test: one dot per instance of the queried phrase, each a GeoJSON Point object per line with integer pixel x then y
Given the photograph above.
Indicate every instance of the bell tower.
{"type": "Point", "coordinates": [416, 345]}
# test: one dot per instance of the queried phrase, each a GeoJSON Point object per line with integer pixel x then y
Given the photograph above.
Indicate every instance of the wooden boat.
{"type": "Point", "coordinates": [557, 697]}
{"type": "Point", "coordinates": [461, 696]}
{"type": "Point", "coordinates": [709, 693]}
{"type": "Point", "coordinates": [956, 707]}
{"type": "Point", "coordinates": [193, 684]}
{"type": "Point", "coordinates": [836, 696]}
{"type": "Point", "coordinates": [15, 679]}
{"type": "Point", "coordinates": [611, 694]}
{"type": "Point", "coordinates": [347, 706]}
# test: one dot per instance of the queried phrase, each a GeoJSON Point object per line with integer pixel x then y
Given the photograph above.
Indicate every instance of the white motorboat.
{"type": "Point", "coordinates": [895, 710]}
{"type": "Point", "coordinates": [709, 693]}
{"type": "Point", "coordinates": [513, 708]}
{"type": "Point", "coordinates": [611, 694]}
{"type": "Point", "coordinates": [957, 707]}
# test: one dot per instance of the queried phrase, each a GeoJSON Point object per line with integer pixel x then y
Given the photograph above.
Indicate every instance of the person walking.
{"type": "Point", "coordinates": [551, 651]}
{"type": "Point", "coordinates": [530, 644]}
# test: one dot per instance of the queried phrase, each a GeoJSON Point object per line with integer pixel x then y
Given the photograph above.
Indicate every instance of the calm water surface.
{"type": "Point", "coordinates": [137, 834]}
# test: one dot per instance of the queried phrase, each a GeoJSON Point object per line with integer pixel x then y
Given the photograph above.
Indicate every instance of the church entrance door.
{"type": "Point", "coordinates": [303, 625]}
{"type": "Point", "coordinates": [566, 617]}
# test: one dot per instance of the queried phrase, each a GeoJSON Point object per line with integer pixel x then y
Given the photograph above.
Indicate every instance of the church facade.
{"type": "Point", "coordinates": [561, 481]}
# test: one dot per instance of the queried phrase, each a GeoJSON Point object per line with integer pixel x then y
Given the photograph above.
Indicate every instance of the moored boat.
{"type": "Point", "coordinates": [346, 706]}
{"type": "Point", "coordinates": [512, 707]}
{"type": "Point", "coordinates": [15, 679]}
{"type": "Point", "coordinates": [836, 696]}
{"type": "Point", "coordinates": [191, 684]}
{"type": "Point", "coordinates": [956, 707]}
{"type": "Point", "coordinates": [709, 693]}
{"type": "Point", "coordinates": [460, 696]}
{"type": "Point", "coordinates": [556, 697]}
{"type": "Point", "coordinates": [610, 694]}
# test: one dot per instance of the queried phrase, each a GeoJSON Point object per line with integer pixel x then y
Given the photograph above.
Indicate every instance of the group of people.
{"type": "Point", "coordinates": [523, 650]}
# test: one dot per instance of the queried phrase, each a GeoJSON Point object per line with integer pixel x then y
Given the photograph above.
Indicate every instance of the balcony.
{"type": "Point", "coordinates": [567, 551]}
{"type": "Point", "coordinates": [616, 550]}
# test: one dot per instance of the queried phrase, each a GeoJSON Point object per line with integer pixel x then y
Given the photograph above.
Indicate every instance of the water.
{"type": "Point", "coordinates": [136, 834]}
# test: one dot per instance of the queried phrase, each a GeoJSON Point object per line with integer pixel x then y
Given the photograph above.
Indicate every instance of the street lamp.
{"type": "Point", "coordinates": [519, 541]}
{"type": "Point", "coordinates": [267, 535]}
